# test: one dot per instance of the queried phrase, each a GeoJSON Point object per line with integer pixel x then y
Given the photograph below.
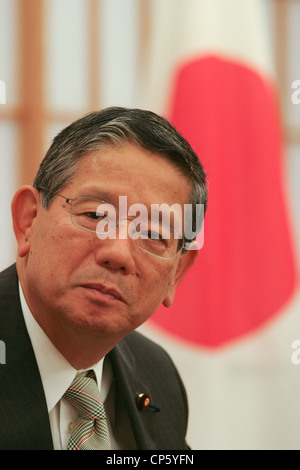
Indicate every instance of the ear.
{"type": "Point", "coordinates": [185, 263]}
{"type": "Point", "coordinates": [24, 210]}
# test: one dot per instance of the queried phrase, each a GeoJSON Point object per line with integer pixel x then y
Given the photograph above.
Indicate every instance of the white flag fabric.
{"type": "Point", "coordinates": [236, 315]}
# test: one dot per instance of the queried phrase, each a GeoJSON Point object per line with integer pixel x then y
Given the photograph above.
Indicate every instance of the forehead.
{"type": "Point", "coordinates": [129, 170]}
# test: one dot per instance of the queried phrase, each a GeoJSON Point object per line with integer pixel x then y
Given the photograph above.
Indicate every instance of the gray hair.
{"type": "Point", "coordinates": [112, 127]}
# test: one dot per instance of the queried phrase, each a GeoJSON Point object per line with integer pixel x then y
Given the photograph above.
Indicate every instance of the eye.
{"type": "Point", "coordinates": [94, 215]}
{"type": "Point", "coordinates": [152, 237]}
{"type": "Point", "coordinates": [155, 236]}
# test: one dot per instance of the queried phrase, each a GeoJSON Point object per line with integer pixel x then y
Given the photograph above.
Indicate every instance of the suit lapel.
{"type": "Point", "coordinates": [24, 414]}
{"type": "Point", "coordinates": [127, 390]}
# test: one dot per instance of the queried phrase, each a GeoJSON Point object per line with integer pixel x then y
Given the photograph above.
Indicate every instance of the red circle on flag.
{"type": "Point", "coordinates": [245, 271]}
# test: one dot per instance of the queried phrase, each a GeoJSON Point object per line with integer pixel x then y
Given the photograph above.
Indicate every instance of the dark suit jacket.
{"type": "Point", "coordinates": [139, 365]}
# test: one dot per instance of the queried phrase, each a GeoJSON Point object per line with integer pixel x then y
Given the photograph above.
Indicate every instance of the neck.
{"type": "Point", "coordinates": [80, 350]}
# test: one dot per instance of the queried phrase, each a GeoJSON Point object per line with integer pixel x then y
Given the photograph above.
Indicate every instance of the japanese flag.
{"type": "Point", "coordinates": [235, 315]}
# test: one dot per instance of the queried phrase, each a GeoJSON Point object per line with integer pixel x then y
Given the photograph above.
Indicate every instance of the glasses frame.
{"type": "Point", "coordinates": [183, 249]}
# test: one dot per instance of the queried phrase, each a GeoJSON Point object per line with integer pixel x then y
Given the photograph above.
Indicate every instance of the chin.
{"type": "Point", "coordinates": [99, 326]}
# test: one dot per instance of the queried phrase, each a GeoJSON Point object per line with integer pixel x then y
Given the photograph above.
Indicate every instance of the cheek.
{"type": "Point", "coordinates": [57, 254]}
{"type": "Point", "coordinates": [154, 292]}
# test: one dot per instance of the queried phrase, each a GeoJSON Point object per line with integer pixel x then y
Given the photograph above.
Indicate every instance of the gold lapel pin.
{"type": "Point", "coordinates": [143, 402]}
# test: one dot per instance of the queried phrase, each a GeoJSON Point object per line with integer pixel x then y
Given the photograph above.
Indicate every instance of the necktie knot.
{"type": "Point", "coordinates": [83, 393]}
{"type": "Point", "coordinates": [90, 430]}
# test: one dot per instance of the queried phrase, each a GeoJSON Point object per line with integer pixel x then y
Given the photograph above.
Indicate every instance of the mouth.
{"type": "Point", "coordinates": [103, 293]}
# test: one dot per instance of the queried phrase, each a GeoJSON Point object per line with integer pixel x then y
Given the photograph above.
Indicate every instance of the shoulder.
{"type": "Point", "coordinates": [8, 282]}
{"type": "Point", "coordinates": [136, 339]}
{"type": "Point", "coordinates": [152, 364]}
{"type": "Point", "coordinates": [8, 275]}
{"type": "Point", "coordinates": [146, 350]}
{"type": "Point", "coordinates": [9, 292]}
{"type": "Point", "coordinates": [143, 366]}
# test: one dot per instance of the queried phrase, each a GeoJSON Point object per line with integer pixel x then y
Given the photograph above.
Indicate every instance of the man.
{"type": "Point", "coordinates": [76, 294]}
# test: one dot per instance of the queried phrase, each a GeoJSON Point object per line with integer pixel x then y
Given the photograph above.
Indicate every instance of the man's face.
{"type": "Point", "coordinates": [74, 280]}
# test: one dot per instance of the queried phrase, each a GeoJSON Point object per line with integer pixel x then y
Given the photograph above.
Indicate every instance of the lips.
{"type": "Point", "coordinates": [104, 292]}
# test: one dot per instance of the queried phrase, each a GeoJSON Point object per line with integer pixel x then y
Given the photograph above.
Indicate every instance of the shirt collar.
{"type": "Point", "coordinates": [56, 372]}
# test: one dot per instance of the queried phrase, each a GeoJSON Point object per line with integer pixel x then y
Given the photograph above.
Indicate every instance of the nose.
{"type": "Point", "coordinates": [116, 251]}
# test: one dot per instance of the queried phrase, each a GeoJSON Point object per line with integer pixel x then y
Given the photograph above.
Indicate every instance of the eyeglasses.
{"type": "Point", "coordinates": [103, 218]}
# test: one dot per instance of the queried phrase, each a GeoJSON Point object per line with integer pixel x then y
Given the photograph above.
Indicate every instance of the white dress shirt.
{"type": "Point", "coordinates": [57, 375]}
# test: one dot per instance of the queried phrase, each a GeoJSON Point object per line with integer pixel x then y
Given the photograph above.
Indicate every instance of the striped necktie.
{"type": "Point", "coordinates": [90, 431]}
